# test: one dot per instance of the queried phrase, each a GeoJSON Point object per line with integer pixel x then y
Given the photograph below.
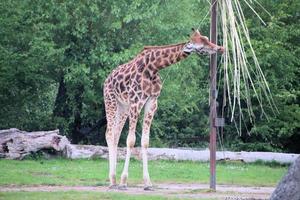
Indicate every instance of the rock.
{"type": "Point", "coordinates": [289, 186]}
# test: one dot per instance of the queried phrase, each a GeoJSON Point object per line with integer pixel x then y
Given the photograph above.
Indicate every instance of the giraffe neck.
{"type": "Point", "coordinates": [160, 57]}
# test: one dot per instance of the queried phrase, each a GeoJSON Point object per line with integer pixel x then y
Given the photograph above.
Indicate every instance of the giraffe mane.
{"type": "Point", "coordinates": [164, 46]}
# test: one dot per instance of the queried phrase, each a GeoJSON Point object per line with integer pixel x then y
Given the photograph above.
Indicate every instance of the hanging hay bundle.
{"type": "Point", "coordinates": [242, 74]}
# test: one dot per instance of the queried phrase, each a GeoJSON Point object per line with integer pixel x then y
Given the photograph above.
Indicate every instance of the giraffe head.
{"type": "Point", "coordinates": [201, 44]}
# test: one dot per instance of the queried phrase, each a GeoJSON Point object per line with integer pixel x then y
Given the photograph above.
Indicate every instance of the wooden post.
{"type": "Point", "coordinates": [213, 96]}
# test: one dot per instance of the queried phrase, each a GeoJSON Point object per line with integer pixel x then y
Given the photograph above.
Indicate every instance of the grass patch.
{"type": "Point", "coordinates": [95, 172]}
{"type": "Point", "coordinates": [272, 164]}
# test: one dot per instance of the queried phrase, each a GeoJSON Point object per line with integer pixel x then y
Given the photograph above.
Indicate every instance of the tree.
{"type": "Point", "coordinates": [55, 56]}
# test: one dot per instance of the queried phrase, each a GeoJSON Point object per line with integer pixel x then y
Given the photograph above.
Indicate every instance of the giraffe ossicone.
{"type": "Point", "coordinates": [136, 85]}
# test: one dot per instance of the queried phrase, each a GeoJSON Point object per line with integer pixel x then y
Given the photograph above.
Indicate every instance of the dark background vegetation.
{"type": "Point", "coordinates": [55, 55]}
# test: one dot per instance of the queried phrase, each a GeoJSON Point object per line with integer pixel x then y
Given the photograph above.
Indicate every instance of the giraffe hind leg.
{"type": "Point", "coordinates": [117, 114]}
{"type": "Point", "coordinates": [111, 112]}
{"type": "Point", "coordinates": [122, 115]}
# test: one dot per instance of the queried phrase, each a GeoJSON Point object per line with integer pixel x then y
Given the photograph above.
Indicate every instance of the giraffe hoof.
{"type": "Point", "coordinates": [113, 187]}
{"type": "Point", "coordinates": [148, 188]}
{"type": "Point", "coordinates": [122, 187]}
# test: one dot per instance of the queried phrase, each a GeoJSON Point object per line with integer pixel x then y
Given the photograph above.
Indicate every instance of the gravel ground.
{"type": "Point", "coordinates": [190, 191]}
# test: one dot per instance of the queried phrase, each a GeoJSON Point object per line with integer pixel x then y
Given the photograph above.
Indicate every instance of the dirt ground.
{"type": "Point", "coordinates": [191, 191]}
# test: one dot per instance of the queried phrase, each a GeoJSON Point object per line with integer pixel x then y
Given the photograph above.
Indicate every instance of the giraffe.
{"type": "Point", "coordinates": [136, 85]}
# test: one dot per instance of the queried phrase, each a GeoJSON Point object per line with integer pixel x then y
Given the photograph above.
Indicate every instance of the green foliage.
{"type": "Point", "coordinates": [55, 55]}
{"type": "Point", "coordinates": [277, 48]}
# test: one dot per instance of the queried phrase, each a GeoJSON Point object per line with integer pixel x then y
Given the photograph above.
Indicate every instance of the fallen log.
{"type": "Point", "coordinates": [204, 155]}
{"type": "Point", "coordinates": [90, 151]}
{"type": "Point", "coordinates": [16, 144]}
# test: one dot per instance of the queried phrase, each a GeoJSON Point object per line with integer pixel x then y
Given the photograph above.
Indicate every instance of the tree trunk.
{"type": "Point", "coordinates": [61, 108]}
{"type": "Point", "coordinates": [76, 134]}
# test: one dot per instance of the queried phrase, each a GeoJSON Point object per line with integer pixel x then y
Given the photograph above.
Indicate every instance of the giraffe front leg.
{"type": "Point", "coordinates": [133, 118]}
{"type": "Point", "coordinates": [150, 109]}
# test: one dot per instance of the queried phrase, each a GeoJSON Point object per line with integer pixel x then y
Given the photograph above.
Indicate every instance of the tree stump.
{"type": "Point", "coordinates": [289, 186]}
{"type": "Point", "coordinates": [16, 144]}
